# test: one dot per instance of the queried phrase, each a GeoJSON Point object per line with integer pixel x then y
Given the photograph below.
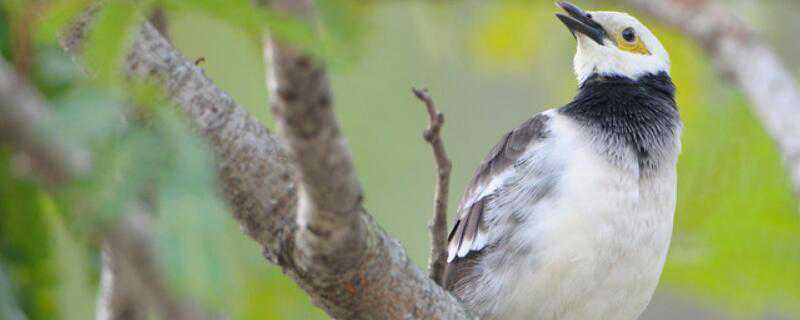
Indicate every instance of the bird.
{"type": "Point", "coordinates": [570, 215]}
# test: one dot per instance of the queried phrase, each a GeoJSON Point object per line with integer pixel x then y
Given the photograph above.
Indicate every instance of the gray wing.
{"type": "Point", "coordinates": [465, 248]}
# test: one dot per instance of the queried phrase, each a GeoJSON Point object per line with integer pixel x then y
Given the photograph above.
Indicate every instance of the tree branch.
{"type": "Point", "coordinates": [748, 62]}
{"type": "Point", "coordinates": [438, 224]}
{"type": "Point", "coordinates": [259, 184]}
{"type": "Point", "coordinates": [329, 192]}
{"type": "Point", "coordinates": [359, 271]}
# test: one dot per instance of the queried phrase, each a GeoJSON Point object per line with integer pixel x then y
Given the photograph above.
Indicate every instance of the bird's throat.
{"type": "Point", "coordinates": [624, 114]}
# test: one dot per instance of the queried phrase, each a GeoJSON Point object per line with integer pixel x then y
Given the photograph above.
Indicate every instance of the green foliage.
{"type": "Point", "coordinates": [56, 17]}
{"type": "Point", "coordinates": [489, 65]}
{"type": "Point", "coordinates": [110, 34]}
{"type": "Point", "coordinates": [191, 218]}
{"type": "Point", "coordinates": [5, 33]}
{"type": "Point", "coordinates": [251, 18]}
{"type": "Point", "coordinates": [75, 294]}
{"type": "Point", "coordinates": [25, 250]}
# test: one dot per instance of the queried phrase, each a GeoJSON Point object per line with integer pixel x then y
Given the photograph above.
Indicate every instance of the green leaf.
{"type": "Point", "coordinates": [253, 19]}
{"type": "Point", "coordinates": [343, 25]}
{"type": "Point", "coordinates": [124, 166]}
{"type": "Point", "coordinates": [110, 36]}
{"type": "Point", "coordinates": [192, 218]}
{"type": "Point", "coordinates": [75, 294]}
{"type": "Point", "coordinates": [87, 114]}
{"type": "Point", "coordinates": [55, 17]}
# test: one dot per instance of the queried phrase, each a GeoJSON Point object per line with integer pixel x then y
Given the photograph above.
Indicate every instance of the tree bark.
{"type": "Point", "coordinates": [343, 259]}
{"type": "Point", "coordinates": [262, 189]}
{"type": "Point", "coordinates": [748, 62]}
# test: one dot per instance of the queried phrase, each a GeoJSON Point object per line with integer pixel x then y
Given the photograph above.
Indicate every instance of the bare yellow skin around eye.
{"type": "Point", "coordinates": [636, 46]}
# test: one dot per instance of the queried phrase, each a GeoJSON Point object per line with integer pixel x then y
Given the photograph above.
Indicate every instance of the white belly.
{"type": "Point", "coordinates": [598, 245]}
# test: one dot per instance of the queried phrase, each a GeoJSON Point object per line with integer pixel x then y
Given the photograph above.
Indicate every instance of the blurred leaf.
{"type": "Point", "coordinates": [55, 17]}
{"type": "Point", "coordinates": [192, 218]}
{"type": "Point", "coordinates": [125, 165]}
{"type": "Point", "coordinates": [5, 33]}
{"type": "Point", "coordinates": [252, 18]}
{"type": "Point", "coordinates": [75, 294]}
{"type": "Point", "coordinates": [511, 34]}
{"type": "Point", "coordinates": [109, 37]}
{"type": "Point", "coordinates": [87, 114]}
{"type": "Point", "coordinates": [343, 28]}
{"type": "Point", "coordinates": [54, 73]}
{"type": "Point", "coordinates": [25, 250]}
{"type": "Point", "coordinates": [9, 310]}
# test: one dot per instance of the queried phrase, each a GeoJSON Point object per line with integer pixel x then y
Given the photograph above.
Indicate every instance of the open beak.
{"type": "Point", "coordinates": [578, 20]}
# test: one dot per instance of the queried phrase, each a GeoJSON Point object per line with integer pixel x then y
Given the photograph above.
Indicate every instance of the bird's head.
{"type": "Point", "coordinates": [613, 44]}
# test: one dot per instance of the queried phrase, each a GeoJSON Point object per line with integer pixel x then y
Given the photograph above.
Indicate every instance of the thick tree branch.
{"type": "Point", "coordinates": [747, 61]}
{"type": "Point", "coordinates": [438, 224]}
{"type": "Point", "coordinates": [329, 192]}
{"type": "Point", "coordinates": [358, 271]}
{"type": "Point", "coordinates": [260, 187]}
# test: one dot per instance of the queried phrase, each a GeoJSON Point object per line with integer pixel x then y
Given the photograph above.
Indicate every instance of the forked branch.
{"type": "Point", "coordinates": [261, 184]}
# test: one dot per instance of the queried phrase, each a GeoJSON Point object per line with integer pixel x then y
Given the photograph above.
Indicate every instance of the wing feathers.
{"type": "Point", "coordinates": [466, 235]}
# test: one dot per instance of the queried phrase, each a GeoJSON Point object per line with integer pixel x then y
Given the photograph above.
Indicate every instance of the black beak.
{"type": "Point", "coordinates": [578, 20]}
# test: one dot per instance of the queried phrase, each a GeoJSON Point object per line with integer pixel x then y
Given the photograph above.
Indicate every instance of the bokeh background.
{"type": "Point", "coordinates": [489, 65]}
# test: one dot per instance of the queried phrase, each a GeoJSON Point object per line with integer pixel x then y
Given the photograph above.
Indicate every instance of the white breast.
{"type": "Point", "coordinates": [598, 243]}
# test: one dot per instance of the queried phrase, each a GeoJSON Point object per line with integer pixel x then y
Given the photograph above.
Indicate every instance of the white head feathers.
{"type": "Point", "coordinates": [629, 49]}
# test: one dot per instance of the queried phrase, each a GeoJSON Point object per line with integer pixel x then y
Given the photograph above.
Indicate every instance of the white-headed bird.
{"type": "Point", "coordinates": [570, 215]}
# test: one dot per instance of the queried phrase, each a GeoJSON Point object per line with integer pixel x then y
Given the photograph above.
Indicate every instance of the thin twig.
{"type": "Point", "coordinates": [438, 224]}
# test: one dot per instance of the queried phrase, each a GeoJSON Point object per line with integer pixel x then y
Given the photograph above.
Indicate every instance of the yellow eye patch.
{"type": "Point", "coordinates": [636, 46]}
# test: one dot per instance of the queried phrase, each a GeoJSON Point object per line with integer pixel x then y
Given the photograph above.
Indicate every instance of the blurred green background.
{"type": "Point", "coordinates": [489, 65]}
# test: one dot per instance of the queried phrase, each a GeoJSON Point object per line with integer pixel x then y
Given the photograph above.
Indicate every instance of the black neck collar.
{"type": "Point", "coordinates": [623, 114]}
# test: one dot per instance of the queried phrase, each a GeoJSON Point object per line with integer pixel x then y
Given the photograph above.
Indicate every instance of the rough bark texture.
{"type": "Point", "coordinates": [438, 225]}
{"type": "Point", "coordinates": [343, 259]}
{"type": "Point", "coordinates": [330, 233]}
{"type": "Point", "coordinates": [259, 184]}
{"type": "Point", "coordinates": [743, 57]}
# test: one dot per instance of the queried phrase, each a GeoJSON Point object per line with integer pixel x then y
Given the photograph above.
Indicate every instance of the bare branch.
{"type": "Point", "coordinates": [359, 272]}
{"type": "Point", "coordinates": [741, 55]}
{"type": "Point", "coordinates": [438, 224]}
{"type": "Point", "coordinates": [329, 192]}
{"type": "Point", "coordinates": [259, 184]}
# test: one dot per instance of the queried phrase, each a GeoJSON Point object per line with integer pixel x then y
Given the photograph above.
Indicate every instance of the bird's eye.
{"type": "Point", "coordinates": [628, 34]}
